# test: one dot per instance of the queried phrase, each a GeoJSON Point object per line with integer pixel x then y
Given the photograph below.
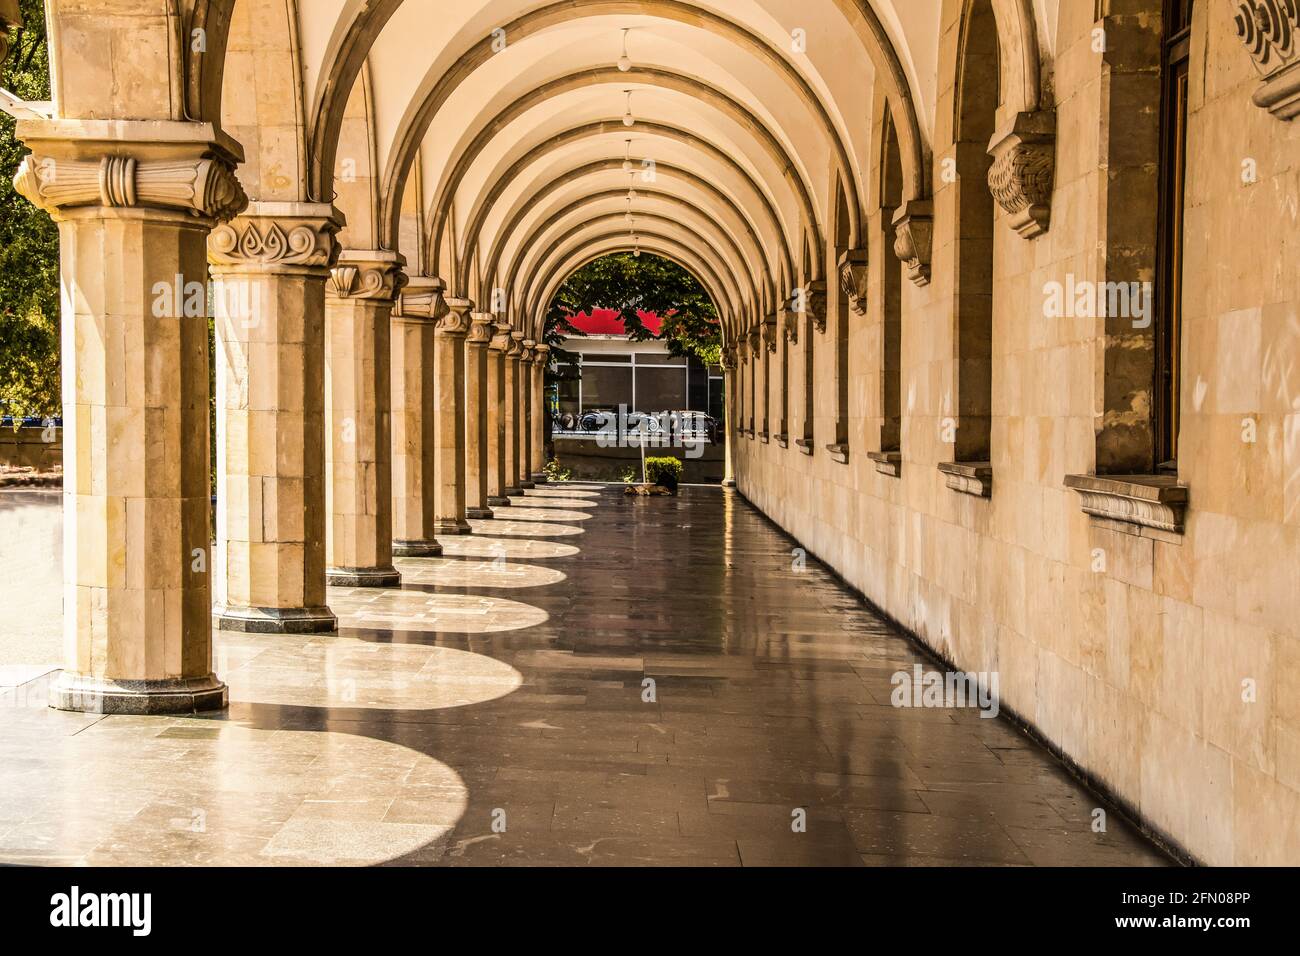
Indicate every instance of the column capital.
{"type": "Point", "coordinates": [516, 347]}
{"type": "Point", "coordinates": [500, 337]}
{"type": "Point", "coordinates": [367, 274]}
{"type": "Point", "coordinates": [456, 319]}
{"type": "Point", "coordinates": [175, 167]}
{"type": "Point", "coordinates": [810, 300]}
{"type": "Point", "coordinates": [481, 327]}
{"type": "Point", "coordinates": [913, 237]}
{"type": "Point", "coordinates": [529, 350]}
{"type": "Point", "coordinates": [790, 325]}
{"type": "Point", "coordinates": [1023, 168]}
{"type": "Point", "coordinates": [771, 332]}
{"type": "Point", "coordinates": [541, 354]}
{"type": "Point", "coordinates": [278, 237]}
{"type": "Point", "coordinates": [421, 299]}
{"type": "Point", "coordinates": [728, 360]}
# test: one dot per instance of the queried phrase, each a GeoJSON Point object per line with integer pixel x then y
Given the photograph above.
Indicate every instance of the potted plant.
{"type": "Point", "coordinates": [664, 472]}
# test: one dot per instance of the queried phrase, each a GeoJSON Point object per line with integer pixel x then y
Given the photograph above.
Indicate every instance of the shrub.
{"type": "Point", "coordinates": [554, 471]}
{"type": "Point", "coordinates": [663, 471]}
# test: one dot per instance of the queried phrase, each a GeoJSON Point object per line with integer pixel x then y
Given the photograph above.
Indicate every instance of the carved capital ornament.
{"type": "Point", "coordinates": [1021, 177]}
{"type": "Point", "coordinates": [373, 275]}
{"type": "Point", "coordinates": [1269, 29]}
{"type": "Point", "coordinates": [853, 278]}
{"type": "Point", "coordinates": [913, 236]}
{"type": "Point", "coordinates": [267, 239]}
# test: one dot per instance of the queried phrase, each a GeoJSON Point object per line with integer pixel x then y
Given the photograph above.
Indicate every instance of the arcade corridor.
{"type": "Point", "coordinates": [494, 710]}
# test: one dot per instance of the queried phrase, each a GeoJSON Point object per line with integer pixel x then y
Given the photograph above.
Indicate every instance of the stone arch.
{"type": "Point", "coordinates": [712, 264]}
{"type": "Point", "coordinates": [668, 80]}
{"type": "Point", "coordinates": [533, 240]}
{"type": "Point", "coordinates": [581, 172]}
{"type": "Point", "coordinates": [448, 190]}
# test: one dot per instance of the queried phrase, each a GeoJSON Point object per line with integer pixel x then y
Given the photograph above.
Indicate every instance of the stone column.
{"type": "Point", "coordinates": [541, 357]}
{"type": "Point", "coordinates": [414, 394]}
{"type": "Point", "coordinates": [358, 393]}
{"type": "Point", "coordinates": [268, 269]}
{"type": "Point", "coordinates": [134, 202]}
{"type": "Point", "coordinates": [729, 414]}
{"type": "Point", "coordinates": [526, 414]}
{"type": "Point", "coordinates": [449, 462]}
{"type": "Point", "coordinates": [510, 414]}
{"type": "Point", "coordinates": [496, 426]}
{"type": "Point", "coordinates": [477, 405]}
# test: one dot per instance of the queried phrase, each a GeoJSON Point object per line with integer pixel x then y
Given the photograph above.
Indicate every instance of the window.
{"type": "Point", "coordinates": [1169, 257]}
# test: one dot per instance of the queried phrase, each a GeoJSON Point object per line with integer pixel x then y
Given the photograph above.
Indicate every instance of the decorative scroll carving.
{"type": "Point", "coordinates": [969, 477]}
{"type": "Point", "coordinates": [1269, 29]}
{"type": "Point", "coordinates": [913, 235]}
{"type": "Point", "coordinates": [500, 338]}
{"type": "Point", "coordinates": [529, 352]}
{"type": "Point", "coordinates": [480, 329]}
{"type": "Point", "coordinates": [853, 278]}
{"type": "Point", "coordinates": [542, 355]}
{"type": "Point", "coordinates": [1022, 173]}
{"type": "Point", "coordinates": [771, 332]}
{"type": "Point", "coordinates": [516, 347]}
{"type": "Point", "coordinates": [422, 298]}
{"type": "Point", "coordinates": [456, 318]}
{"type": "Point", "coordinates": [205, 188]}
{"type": "Point", "coordinates": [357, 276]}
{"type": "Point", "coordinates": [264, 241]}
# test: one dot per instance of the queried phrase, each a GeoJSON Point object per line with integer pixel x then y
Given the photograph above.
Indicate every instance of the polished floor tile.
{"type": "Point", "coordinates": [586, 679]}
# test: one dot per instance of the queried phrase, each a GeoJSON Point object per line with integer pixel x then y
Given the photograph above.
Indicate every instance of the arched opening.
{"type": "Point", "coordinates": [976, 105]}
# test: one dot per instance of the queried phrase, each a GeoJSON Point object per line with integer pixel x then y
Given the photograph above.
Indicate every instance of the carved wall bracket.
{"type": "Point", "coordinates": [810, 300]}
{"type": "Point", "coordinates": [422, 298]}
{"type": "Point", "coordinates": [771, 333]}
{"type": "Point", "coordinates": [456, 318]}
{"type": "Point", "coordinates": [1269, 29]}
{"type": "Point", "coordinates": [913, 236]}
{"type": "Point", "coordinates": [790, 325]}
{"type": "Point", "coordinates": [853, 278]}
{"type": "Point", "coordinates": [481, 327]}
{"type": "Point", "coordinates": [1022, 174]}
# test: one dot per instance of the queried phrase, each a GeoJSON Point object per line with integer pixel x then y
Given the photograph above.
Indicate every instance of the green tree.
{"type": "Point", "coordinates": [636, 286]}
{"type": "Point", "coordinates": [29, 246]}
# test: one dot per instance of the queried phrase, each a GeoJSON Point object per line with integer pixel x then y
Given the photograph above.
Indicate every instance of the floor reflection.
{"type": "Point", "coordinates": [669, 693]}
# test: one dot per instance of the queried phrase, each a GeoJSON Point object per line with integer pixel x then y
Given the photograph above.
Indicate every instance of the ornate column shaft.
{"type": "Point", "coordinates": [541, 358]}
{"type": "Point", "coordinates": [510, 415]}
{"type": "Point", "coordinates": [449, 463]}
{"type": "Point", "coordinates": [496, 425]}
{"type": "Point", "coordinates": [526, 413]}
{"type": "Point", "coordinates": [268, 269]}
{"type": "Point", "coordinates": [414, 429]}
{"type": "Point", "coordinates": [358, 426]}
{"type": "Point", "coordinates": [134, 202]}
{"type": "Point", "coordinates": [477, 406]}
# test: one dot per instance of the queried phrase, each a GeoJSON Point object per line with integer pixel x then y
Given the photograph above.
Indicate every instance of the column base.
{"type": "Point", "coordinates": [173, 695]}
{"type": "Point", "coordinates": [728, 482]}
{"type": "Point", "coordinates": [451, 526]}
{"type": "Point", "coordinates": [479, 514]}
{"type": "Point", "coordinates": [363, 577]}
{"type": "Point", "coordinates": [539, 478]}
{"type": "Point", "coordinates": [526, 485]}
{"type": "Point", "coordinates": [276, 620]}
{"type": "Point", "coordinates": [417, 549]}
{"type": "Point", "coordinates": [497, 501]}
{"type": "Point", "coordinates": [514, 492]}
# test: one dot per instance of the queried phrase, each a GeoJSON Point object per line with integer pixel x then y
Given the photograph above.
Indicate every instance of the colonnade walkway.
{"type": "Point", "coordinates": [587, 678]}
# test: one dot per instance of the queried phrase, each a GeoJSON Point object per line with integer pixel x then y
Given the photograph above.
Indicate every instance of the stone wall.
{"type": "Point", "coordinates": [1162, 665]}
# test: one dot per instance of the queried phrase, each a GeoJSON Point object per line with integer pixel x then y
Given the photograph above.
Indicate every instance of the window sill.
{"type": "Point", "coordinates": [969, 477]}
{"type": "Point", "coordinates": [805, 445]}
{"type": "Point", "coordinates": [1152, 506]}
{"type": "Point", "coordinates": [839, 453]}
{"type": "Point", "coordinates": [887, 462]}
{"type": "Point", "coordinates": [762, 436]}
{"type": "Point", "coordinates": [783, 440]}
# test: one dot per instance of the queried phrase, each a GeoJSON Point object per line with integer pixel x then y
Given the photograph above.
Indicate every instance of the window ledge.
{"type": "Point", "coordinates": [805, 445]}
{"type": "Point", "coordinates": [839, 452]}
{"type": "Point", "coordinates": [762, 436]}
{"type": "Point", "coordinates": [969, 477]}
{"type": "Point", "coordinates": [1149, 505]}
{"type": "Point", "coordinates": [782, 439]}
{"type": "Point", "coordinates": [887, 462]}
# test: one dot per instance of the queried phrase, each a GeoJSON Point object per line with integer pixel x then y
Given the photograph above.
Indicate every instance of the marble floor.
{"type": "Point", "coordinates": [586, 679]}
